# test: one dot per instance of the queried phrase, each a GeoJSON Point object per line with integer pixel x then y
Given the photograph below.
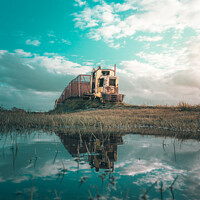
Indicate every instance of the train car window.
{"type": "Point", "coordinates": [93, 87]}
{"type": "Point", "coordinates": [101, 82]}
{"type": "Point", "coordinates": [93, 74]}
{"type": "Point", "coordinates": [105, 73]}
{"type": "Point", "coordinates": [112, 82]}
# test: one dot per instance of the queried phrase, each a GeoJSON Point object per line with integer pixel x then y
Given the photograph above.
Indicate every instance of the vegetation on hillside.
{"type": "Point", "coordinates": [79, 104]}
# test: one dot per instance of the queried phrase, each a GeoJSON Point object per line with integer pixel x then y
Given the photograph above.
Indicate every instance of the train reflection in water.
{"type": "Point", "coordinates": [101, 153]}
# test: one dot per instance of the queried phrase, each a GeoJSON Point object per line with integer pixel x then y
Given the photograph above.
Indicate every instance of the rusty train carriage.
{"type": "Point", "coordinates": [102, 84]}
{"type": "Point", "coordinates": [102, 154]}
{"type": "Point", "coordinates": [76, 88]}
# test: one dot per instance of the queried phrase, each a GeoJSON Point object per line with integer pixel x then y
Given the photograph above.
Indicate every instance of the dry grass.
{"type": "Point", "coordinates": [182, 121]}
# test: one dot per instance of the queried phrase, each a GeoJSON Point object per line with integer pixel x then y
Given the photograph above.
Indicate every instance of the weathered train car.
{"type": "Point", "coordinates": [102, 84]}
{"type": "Point", "coordinates": [76, 88]}
{"type": "Point", "coordinates": [103, 154]}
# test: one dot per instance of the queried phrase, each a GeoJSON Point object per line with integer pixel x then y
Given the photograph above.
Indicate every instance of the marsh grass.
{"type": "Point", "coordinates": [182, 121]}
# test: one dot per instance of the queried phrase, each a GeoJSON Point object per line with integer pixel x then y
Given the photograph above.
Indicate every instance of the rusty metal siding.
{"type": "Point", "coordinates": [84, 88]}
{"type": "Point", "coordinates": [76, 88]}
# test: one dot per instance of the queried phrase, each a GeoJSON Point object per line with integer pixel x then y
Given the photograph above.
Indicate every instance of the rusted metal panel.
{"type": "Point", "coordinates": [84, 88]}
{"type": "Point", "coordinates": [113, 97]}
{"type": "Point", "coordinates": [76, 88]}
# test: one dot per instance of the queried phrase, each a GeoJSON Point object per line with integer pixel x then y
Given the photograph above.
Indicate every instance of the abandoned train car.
{"type": "Point", "coordinates": [102, 84]}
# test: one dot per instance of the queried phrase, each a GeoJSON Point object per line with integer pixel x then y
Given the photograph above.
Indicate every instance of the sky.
{"type": "Point", "coordinates": [44, 44]}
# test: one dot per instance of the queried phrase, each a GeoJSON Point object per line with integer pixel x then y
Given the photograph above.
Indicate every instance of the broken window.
{"type": "Point", "coordinates": [101, 82]}
{"type": "Point", "coordinates": [112, 82]}
{"type": "Point", "coordinates": [105, 73]}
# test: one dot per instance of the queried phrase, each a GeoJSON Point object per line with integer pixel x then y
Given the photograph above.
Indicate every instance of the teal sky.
{"type": "Point", "coordinates": [44, 44]}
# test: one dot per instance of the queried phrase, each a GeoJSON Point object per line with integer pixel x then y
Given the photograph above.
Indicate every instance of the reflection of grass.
{"type": "Point", "coordinates": [182, 121]}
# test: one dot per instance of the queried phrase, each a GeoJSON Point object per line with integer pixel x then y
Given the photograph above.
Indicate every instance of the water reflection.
{"type": "Point", "coordinates": [81, 167]}
{"type": "Point", "coordinates": [101, 154]}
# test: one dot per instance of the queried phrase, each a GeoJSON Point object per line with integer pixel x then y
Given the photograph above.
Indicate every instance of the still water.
{"type": "Point", "coordinates": [54, 166]}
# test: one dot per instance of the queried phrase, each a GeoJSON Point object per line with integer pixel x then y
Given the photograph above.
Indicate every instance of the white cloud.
{"type": "Point", "coordinates": [66, 42]}
{"type": "Point", "coordinates": [193, 51]}
{"type": "Point", "coordinates": [116, 46]}
{"type": "Point", "coordinates": [53, 63]}
{"type": "Point", "coordinates": [59, 64]}
{"type": "Point", "coordinates": [50, 54]}
{"type": "Point", "coordinates": [34, 81]}
{"type": "Point", "coordinates": [21, 52]}
{"type": "Point", "coordinates": [51, 34]}
{"type": "Point", "coordinates": [163, 78]}
{"type": "Point", "coordinates": [80, 3]}
{"type": "Point", "coordinates": [123, 7]}
{"type": "Point", "coordinates": [33, 42]}
{"type": "Point", "coordinates": [149, 39]}
{"type": "Point", "coordinates": [92, 17]}
{"type": "Point", "coordinates": [27, 99]}
{"type": "Point", "coordinates": [88, 63]}
{"type": "Point", "coordinates": [134, 167]}
{"type": "Point", "coordinates": [3, 52]}
{"type": "Point", "coordinates": [139, 69]}
{"type": "Point", "coordinates": [61, 41]}
{"type": "Point", "coordinates": [31, 67]}
{"type": "Point", "coordinates": [20, 179]}
{"type": "Point", "coordinates": [164, 60]}
{"type": "Point", "coordinates": [110, 21]}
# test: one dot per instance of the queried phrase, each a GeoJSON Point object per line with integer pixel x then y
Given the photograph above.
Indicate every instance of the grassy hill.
{"type": "Point", "coordinates": [79, 104]}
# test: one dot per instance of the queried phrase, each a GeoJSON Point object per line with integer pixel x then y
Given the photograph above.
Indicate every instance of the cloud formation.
{"type": "Point", "coordinates": [33, 42]}
{"type": "Point", "coordinates": [149, 39]}
{"type": "Point", "coordinates": [80, 3]}
{"type": "Point", "coordinates": [26, 77]}
{"type": "Point", "coordinates": [111, 21]}
{"type": "Point", "coordinates": [163, 78]}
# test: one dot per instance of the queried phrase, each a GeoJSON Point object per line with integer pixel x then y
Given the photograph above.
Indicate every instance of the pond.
{"type": "Point", "coordinates": [55, 166]}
